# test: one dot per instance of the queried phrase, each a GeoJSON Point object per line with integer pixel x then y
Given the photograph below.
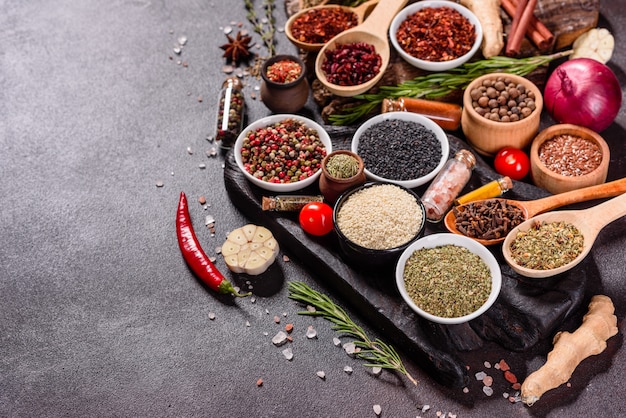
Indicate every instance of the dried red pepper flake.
{"type": "Point", "coordinates": [318, 26]}
{"type": "Point", "coordinates": [351, 64]}
{"type": "Point", "coordinates": [284, 71]}
{"type": "Point", "coordinates": [510, 377]}
{"type": "Point", "coordinates": [436, 34]}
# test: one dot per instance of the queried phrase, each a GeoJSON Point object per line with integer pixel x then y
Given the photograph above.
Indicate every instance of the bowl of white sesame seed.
{"type": "Point", "coordinates": [375, 222]}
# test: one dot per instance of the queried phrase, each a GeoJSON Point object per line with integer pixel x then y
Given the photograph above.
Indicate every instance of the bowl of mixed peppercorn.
{"type": "Point", "coordinates": [448, 278]}
{"type": "Point", "coordinates": [282, 153]}
{"type": "Point", "coordinates": [436, 35]}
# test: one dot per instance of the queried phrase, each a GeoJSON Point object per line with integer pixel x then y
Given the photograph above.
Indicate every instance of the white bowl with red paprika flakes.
{"type": "Point", "coordinates": [436, 35]}
{"type": "Point", "coordinates": [283, 152]}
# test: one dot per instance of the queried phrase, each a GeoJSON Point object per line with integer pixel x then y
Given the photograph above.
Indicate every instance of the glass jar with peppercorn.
{"type": "Point", "coordinates": [285, 88]}
{"type": "Point", "coordinates": [230, 112]}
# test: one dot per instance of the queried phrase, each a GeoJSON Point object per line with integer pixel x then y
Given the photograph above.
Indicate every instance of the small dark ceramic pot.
{"type": "Point", "coordinates": [332, 187]}
{"type": "Point", "coordinates": [362, 257]}
{"type": "Point", "coordinates": [284, 97]}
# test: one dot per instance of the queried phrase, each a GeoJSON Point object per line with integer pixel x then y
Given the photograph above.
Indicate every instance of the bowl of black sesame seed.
{"type": "Point", "coordinates": [282, 152]}
{"type": "Point", "coordinates": [403, 148]}
{"type": "Point", "coordinates": [376, 221]}
{"type": "Point", "coordinates": [448, 278]}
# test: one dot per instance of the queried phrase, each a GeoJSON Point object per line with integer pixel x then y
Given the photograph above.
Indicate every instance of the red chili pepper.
{"type": "Point", "coordinates": [195, 256]}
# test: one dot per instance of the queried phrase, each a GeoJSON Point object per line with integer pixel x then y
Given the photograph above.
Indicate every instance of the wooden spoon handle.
{"type": "Point", "coordinates": [378, 21]}
{"type": "Point", "coordinates": [600, 191]}
{"type": "Point", "coordinates": [603, 214]}
{"type": "Point", "coordinates": [363, 8]}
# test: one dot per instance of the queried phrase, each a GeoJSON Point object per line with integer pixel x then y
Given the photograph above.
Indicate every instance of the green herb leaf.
{"type": "Point", "coordinates": [376, 352]}
{"type": "Point", "coordinates": [437, 85]}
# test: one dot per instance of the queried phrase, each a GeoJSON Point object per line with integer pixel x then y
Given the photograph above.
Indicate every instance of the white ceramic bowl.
{"type": "Point", "coordinates": [435, 240]}
{"type": "Point", "coordinates": [412, 117]}
{"type": "Point", "coordinates": [435, 65]}
{"type": "Point", "coordinates": [270, 120]}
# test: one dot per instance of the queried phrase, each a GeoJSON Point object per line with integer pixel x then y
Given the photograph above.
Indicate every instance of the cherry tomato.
{"type": "Point", "coordinates": [512, 162]}
{"type": "Point", "coordinates": [316, 218]}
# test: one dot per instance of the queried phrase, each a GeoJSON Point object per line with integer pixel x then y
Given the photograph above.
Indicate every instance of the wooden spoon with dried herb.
{"type": "Point", "coordinates": [531, 208]}
{"type": "Point", "coordinates": [557, 241]}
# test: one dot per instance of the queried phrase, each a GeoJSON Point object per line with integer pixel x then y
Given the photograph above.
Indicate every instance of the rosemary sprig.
{"type": "Point", "coordinates": [436, 85]}
{"type": "Point", "coordinates": [267, 28]}
{"type": "Point", "coordinates": [376, 352]}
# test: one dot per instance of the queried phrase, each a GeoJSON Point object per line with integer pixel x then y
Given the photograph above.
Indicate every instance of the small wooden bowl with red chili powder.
{"type": "Point", "coordinates": [568, 157]}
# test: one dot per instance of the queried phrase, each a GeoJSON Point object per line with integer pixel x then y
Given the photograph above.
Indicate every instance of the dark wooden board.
{"type": "Point", "coordinates": [525, 313]}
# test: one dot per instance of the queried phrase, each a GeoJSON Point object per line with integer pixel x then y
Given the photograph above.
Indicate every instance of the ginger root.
{"type": "Point", "coordinates": [599, 324]}
{"type": "Point", "coordinates": [488, 14]}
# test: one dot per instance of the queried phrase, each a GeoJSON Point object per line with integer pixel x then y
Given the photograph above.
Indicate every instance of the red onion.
{"type": "Point", "coordinates": [583, 92]}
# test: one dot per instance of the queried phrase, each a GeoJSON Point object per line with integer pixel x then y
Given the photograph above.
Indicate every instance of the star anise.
{"type": "Point", "coordinates": [237, 49]}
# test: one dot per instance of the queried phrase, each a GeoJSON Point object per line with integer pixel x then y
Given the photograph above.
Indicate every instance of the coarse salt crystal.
{"type": "Point", "coordinates": [348, 369]}
{"type": "Point", "coordinates": [349, 348]}
{"type": "Point", "coordinates": [288, 353]}
{"type": "Point", "coordinates": [377, 409]}
{"type": "Point", "coordinates": [279, 339]}
{"type": "Point", "coordinates": [321, 375]}
{"type": "Point", "coordinates": [311, 332]}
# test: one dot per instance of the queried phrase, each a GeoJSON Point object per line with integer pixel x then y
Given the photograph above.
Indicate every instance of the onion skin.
{"type": "Point", "coordinates": [583, 92]}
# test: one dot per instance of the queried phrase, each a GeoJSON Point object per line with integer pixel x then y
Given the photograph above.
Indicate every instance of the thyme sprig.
{"type": "Point", "coordinates": [266, 28]}
{"type": "Point", "coordinates": [436, 85]}
{"type": "Point", "coordinates": [376, 352]}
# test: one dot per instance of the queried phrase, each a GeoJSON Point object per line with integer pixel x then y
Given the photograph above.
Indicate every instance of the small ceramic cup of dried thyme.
{"type": "Point", "coordinates": [341, 170]}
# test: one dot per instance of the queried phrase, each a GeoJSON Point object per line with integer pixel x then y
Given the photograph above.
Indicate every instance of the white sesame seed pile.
{"type": "Point", "coordinates": [380, 217]}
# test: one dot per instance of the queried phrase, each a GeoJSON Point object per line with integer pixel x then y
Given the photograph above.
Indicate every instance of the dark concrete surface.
{"type": "Point", "coordinates": [100, 316]}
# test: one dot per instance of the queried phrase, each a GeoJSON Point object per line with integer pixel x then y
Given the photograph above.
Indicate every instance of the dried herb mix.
{"type": "Point", "coordinates": [547, 245]}
{"type": "Point", "coordinates": [342, 166]}
{"type": "Point", "coordinates": [448, 281]}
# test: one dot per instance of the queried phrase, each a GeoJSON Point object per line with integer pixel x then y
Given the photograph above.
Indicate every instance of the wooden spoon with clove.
{"type": "Point", "coordinates": [531, 208]}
